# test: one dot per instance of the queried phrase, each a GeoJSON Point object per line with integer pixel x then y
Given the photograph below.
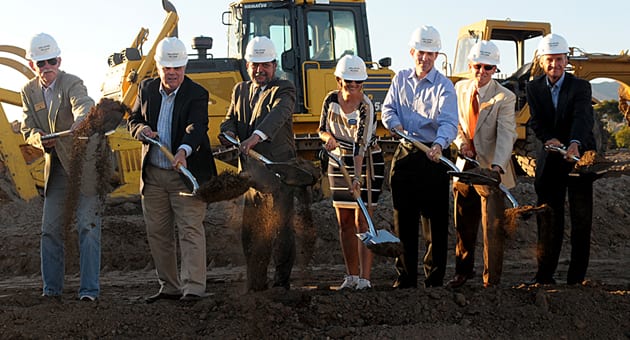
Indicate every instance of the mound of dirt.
{"type": "Point", "coordinates": [313, 308]}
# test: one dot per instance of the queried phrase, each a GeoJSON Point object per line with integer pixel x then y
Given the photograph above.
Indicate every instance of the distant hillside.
{"type": "Point", "coordinates": [606, 91]}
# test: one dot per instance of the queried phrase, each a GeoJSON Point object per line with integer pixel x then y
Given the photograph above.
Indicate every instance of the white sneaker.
{"type": "Point", "coordinates": [349, 282]}
{"type": "Point", "coordinates": [363, 284]}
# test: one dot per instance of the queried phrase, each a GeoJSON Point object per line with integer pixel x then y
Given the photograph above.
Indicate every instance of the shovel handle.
{"type": "Point", "coordinates": [171, 158]}
{"type": "Point", "coordinates": [345, 173]}
{"type": "Point", "coordinates": [561, 150]}
{"type": "Point", "coordinates": [56, 135]}
{"type": "Point", "coordinates": [424, 148]}
{"type": "Point", "coordinates": [357, 196]}
{"type": "Point", "coordinates": [250, 152]}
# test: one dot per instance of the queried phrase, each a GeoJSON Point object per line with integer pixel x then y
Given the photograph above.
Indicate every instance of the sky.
{"type": "Point", "coordinates": [89, 31]}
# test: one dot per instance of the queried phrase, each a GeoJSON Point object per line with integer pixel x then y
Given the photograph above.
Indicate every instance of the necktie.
{"type": "Point", "coordinates": [473, 114]}
{"type": "Point", "coordinates": [254, 97]}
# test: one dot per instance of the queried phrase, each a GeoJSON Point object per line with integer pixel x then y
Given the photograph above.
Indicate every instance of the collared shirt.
{"type": "Point", "coordinates": [165, 120]}
{"type": "Point", "coordinates": [481, 91]}
{"type": "Point", "coordinates": [555, 90]}
{"type": "Point", "coordinates": [48, 92]}
{"type": "Point", "coordinates": [426, 108]}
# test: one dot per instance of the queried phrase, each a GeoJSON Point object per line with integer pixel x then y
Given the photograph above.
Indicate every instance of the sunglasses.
{"type": "Point", "coordinates": [485, 67]}
{"type": "Point", "coordinates": [353, 81]}
{"type": "Point", "coordinates": [51, 61]}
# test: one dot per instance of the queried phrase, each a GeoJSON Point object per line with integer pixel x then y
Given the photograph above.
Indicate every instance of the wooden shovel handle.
{"type": "Point", "coordinates": [345, 174]}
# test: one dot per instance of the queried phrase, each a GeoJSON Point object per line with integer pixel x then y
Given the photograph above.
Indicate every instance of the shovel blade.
{"type": "Point", "coordinates": [383, 243]}
{"type": "Point", "coordinates": [291, 174]}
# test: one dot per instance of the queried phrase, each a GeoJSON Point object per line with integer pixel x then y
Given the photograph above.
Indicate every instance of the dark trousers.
{"type": "Point", "coordinates": [552, 186]}
{"type": "Point", "coordinates": [267, 229]}
{"type": "Point", "coordinates": [420, 193]}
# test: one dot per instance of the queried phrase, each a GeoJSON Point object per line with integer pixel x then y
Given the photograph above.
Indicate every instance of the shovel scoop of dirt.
{"type": "Point", "coordinates": [223, 187]}
{"type": "Point", "coordinates": [524, 212]}
{"type": "Point", "coordinates": [103, 117]}
{"type": "Point", "coordinates": [387, 249]}
{"type": "Point", "coordinates": [592, 163]}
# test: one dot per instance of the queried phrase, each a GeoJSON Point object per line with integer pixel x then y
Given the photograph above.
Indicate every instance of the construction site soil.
{"type": "Point", "coordinates": [313, 308]}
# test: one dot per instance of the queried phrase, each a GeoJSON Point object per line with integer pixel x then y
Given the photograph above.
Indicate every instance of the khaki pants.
{"type": "Point", "coordinates": [474, 204]}
{"type": "Point", "coordinates": [163, 209]}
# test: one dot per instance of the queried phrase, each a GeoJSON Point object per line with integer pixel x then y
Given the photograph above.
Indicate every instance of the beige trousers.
{"type": "Point", "coordinates": [164, 209]}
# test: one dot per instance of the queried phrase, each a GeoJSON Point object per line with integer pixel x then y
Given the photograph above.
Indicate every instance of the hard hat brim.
{"type": "Point", "coordinates": [260, 60]}
{"type": "Point", "coordinates": [46, 56]}
{"type": "Point", "coordinates": [172, 64]}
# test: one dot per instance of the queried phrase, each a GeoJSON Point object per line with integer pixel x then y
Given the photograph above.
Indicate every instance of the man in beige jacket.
{"type": "Point", "coordinates": [55, 101]}
{"type": "Point", "coordinates": [486, 133]}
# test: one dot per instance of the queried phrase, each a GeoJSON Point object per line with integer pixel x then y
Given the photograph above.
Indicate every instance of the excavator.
{"type": "Point", "coordinates": [310, 35]}
{"type": "Point", "coordinates": [524, 34]}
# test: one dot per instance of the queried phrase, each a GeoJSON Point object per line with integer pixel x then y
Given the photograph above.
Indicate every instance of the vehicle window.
{"type": "Point", "coordinates": [326, 44]}
{"type": "Point", "coordinates": [272, 23]}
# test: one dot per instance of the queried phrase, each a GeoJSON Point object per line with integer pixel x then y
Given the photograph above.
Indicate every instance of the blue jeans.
{"type": "Point", "coordinates": [88, 222]}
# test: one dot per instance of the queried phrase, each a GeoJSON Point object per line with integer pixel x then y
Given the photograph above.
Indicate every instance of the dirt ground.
{"type": "Point", "coordinates": [313, 308]}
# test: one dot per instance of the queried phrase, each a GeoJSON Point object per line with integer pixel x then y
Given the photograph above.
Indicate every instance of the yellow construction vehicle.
{"type": "Point", "coordinates": [524, 36]}
{"type": "Point", "coordinates": [310, 35]}
{"type": "Point", "coordinates": [21, 166]}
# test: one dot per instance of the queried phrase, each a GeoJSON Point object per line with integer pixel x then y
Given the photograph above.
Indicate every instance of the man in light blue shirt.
{"type": "Point", "coordinates": [421, 102]}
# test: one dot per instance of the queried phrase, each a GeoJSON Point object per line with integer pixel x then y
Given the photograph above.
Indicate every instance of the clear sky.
{"type": "Point", "coordinates": [89, 31]}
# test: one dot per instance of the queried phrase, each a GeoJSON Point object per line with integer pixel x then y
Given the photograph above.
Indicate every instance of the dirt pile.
{"type": "Point", "coordinates": [313, 309]}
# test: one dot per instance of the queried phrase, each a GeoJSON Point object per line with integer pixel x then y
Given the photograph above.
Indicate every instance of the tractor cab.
{"type": "Point", "coordinates": [310, 36]}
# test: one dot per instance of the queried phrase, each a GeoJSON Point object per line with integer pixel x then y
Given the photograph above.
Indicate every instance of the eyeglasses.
{"type": "Point", "coordinates": [485, 67]}
{"type": "Point", "coordinates": [359, 82]}
{"type": "Point", "coordinates": [51, 61]}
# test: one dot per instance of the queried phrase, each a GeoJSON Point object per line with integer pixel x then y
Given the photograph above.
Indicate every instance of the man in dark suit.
{"type": "Point", "coordinates": [260, 115]}
{"type": "Point", "coordinates": [561, 115]}
{"type": "Point", "coordinates": [174, 109]}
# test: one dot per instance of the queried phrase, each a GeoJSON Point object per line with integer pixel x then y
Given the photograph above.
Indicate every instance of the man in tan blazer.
{"type": "Point", "coordinates": [55, 101]}
{"type": "Point", "coordinates": [486, 133]}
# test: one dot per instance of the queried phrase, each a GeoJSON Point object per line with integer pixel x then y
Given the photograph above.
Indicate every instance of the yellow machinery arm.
{"type": "Point", "coordinates": [22, 164]}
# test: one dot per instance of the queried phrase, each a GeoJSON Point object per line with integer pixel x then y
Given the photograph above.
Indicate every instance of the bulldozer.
{"type": "Point", "coordinates": [310, 35]}
{"type": "Point", "coordinates": [523, 34]}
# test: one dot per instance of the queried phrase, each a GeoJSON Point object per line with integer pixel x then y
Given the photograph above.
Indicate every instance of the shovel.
{"type": "Point", "coordinates": [104, 117]}
{"type": "Point", "coordinates": [456, 172]}
{"type": "Point", "coordinates": [484, 180]}
{"type": "Point", "coordinates": [287, 172]}
{"type": "Point", "coordinates": [423, 147]}
{"type": "Point", "coordinates": [180, 167]}
{"type": "Point", "coordinates": [381, 242]}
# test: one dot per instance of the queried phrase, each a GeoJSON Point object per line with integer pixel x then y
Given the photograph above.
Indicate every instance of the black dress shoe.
{"type": "Point", "coordinates": [457, 281]}
{"type": "Point", "coordinates": [401, 284]}
{"type": "Point", "coordinates": [540, 281]}
{"type": "Point", "coordinates": [162, 296]}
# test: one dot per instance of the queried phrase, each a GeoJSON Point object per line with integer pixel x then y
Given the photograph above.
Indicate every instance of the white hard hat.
{"type": "Point", "coordinates": [351, 67]}
{"type": "Point", "coordinates": [484, 52]}
{"type": "Point", "coordinates": [171, 52]}
{"type": "Point", "coordinates": [42, 47]}
{"type": "Point", "coordinates": [553, 44]}
{"type": "Point", "coordinates": [425, 38]}
{"type": "Point", "coordinates": [260, 50]}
